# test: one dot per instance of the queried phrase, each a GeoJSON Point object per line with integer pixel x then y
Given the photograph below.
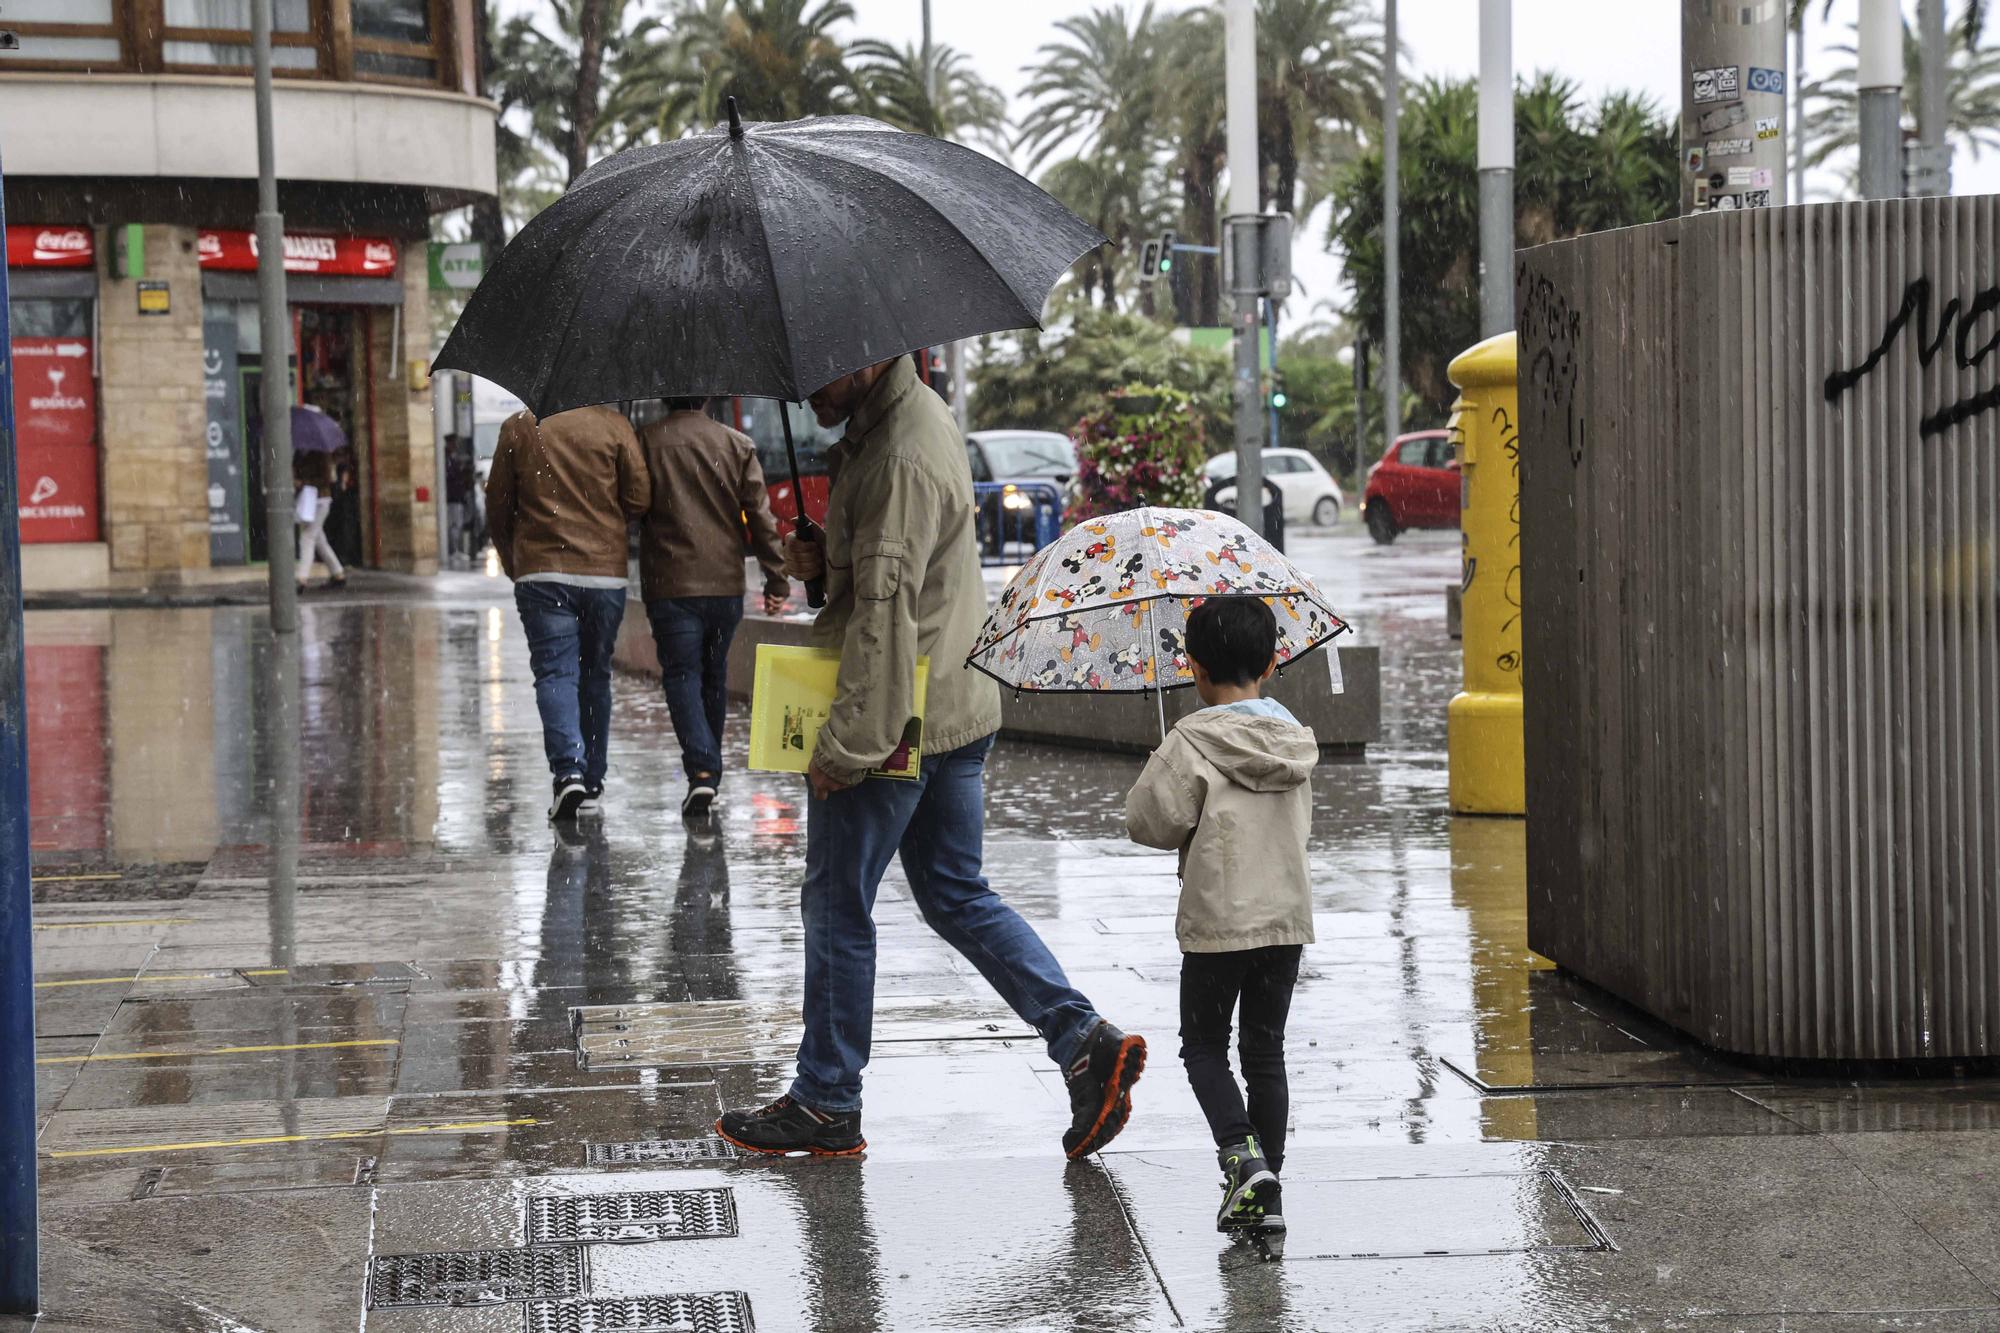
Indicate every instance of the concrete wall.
{"type": "Point", "coordinates": [150, 402]}
{"type": "Point", "coordinates": [203, 127]}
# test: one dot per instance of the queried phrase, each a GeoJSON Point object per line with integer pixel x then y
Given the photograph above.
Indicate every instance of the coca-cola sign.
{"type": "Point", "coordinates": [50, 247]}
{"type": "Point", "coordinates": [305, 252]}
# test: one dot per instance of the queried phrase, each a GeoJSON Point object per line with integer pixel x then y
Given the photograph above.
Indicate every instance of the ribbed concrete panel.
{"type": "Point", "coordinates": [1760, 477]}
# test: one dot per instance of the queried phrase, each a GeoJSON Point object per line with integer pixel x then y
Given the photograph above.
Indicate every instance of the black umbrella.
{"type": "Point", "coordinates": [764, 260]}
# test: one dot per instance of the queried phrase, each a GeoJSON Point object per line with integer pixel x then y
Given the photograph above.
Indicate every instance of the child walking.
{"type": "Point", "coordinates": [1228, 789]}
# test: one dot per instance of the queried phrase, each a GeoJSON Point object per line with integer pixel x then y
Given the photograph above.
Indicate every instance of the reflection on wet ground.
{"type": "Point", "coordinates": [319, 988]}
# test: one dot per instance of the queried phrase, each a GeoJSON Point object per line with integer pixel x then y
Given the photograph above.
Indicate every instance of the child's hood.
{"type": "Point", "coordinates": [1260, 753]}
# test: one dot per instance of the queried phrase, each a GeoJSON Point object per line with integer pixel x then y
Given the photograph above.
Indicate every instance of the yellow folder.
{"type": "Point", "coordinates": [790, 697]}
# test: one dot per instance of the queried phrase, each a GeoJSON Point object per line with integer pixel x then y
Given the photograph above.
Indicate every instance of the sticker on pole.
{"type": "Point", "coordinates": [1721, 84]}
{"type": "Point", "coordinates": [1768, 127]}
{"type": "Point", "coordinates": [1721, 118]}
{"type": "Point", "coordinates": [1730, 147]}
{"type": "Point", "coordinates": [1767, 80]}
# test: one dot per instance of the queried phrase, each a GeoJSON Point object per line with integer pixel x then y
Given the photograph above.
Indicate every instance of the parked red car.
{"type": "Point", "coordinates": [1414, 486]}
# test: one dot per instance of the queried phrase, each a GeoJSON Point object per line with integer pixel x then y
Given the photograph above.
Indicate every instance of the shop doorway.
{"type": "Point", "coordinates": [330, 372]}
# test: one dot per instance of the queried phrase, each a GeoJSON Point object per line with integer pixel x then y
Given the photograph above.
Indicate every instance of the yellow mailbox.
{"type": "Point", "coordinates": [1488, 775]}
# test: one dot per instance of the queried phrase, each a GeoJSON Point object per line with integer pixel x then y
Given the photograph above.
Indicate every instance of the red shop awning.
{"type": "Point", "coordinates": [305, 252]}
{"type": "Point", "coordinates": [50, 247]}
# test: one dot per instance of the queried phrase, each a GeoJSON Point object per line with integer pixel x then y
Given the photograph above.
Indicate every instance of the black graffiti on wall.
{"type": "Point", "coordinates": [1548, 318]}
{"type": "Point", "coordinates": [1957, 323]}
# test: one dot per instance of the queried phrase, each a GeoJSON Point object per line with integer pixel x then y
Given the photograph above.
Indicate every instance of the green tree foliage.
{"type": "Point", "coordinates": [952, 103]}
{"type": "Point", "coordinates": [1142, 444]}
{"type": "Point", "coordinates": [1045, 381]}
{"type": "Point", "coordinates": [1577, 169]}
{"type": "Point", "coordinates": [1319, 383]}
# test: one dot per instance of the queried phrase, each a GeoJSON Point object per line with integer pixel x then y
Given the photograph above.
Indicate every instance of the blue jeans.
{"type": "Point", "coordinates": [692, 637]}
{"type": "Point", "coordinates": [938, 825]}
{"type": "Point", "coordinates": [571, 632]}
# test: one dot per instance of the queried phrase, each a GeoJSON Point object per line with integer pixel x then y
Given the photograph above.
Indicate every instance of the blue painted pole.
{"type": "Point", "coordinates": [19, 1261]}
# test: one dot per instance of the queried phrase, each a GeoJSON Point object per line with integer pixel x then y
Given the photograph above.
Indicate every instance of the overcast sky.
{"type": "Point", "coordinates": [1602, 44]}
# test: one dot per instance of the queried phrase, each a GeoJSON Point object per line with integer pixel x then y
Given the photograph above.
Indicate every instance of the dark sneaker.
{"type": "Point", "coordinates": [699, 800]}
{"type": "Point", "coordinates": [788, 1126]}
{"type": "Point", "coordinates": [570, 793]}
{"type": "Point", "coordinates": [592, 804]}
{"type": "Point", "coordinates": [1100, 1088]}
{"type": "Point", "coordinates": [1250, 1190]}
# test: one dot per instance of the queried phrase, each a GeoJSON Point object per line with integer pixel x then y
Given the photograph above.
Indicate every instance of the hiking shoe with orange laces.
{"type": "Point", "coordinates": [1100, 1088]}
{"type": "Point", "coordinates": [789, 1126]}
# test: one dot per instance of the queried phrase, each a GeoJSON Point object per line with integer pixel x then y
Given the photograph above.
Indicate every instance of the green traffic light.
{"type": "Point", "coordinates": [1166, 263]}
{"type": "Point", "coordinates": [1278, 398]}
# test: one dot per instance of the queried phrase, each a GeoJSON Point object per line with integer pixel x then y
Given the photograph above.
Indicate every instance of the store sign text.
{"type": "Point", "coordinates": [353, 256]}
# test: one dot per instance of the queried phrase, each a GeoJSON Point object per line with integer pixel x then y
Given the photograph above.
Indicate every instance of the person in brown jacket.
{"type": "Point", "coordinates": [709, 507]}
{"type": "Point", "coordinates": [558, 500]}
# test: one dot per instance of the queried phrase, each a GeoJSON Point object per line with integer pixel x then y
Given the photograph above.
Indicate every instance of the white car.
{"type": "Point", "coordinates": [1311, 494]}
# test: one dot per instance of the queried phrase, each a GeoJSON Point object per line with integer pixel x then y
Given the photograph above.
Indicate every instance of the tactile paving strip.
{"type": "Point", "coordinates": [474, 1277]}
{"type": "Point", "coordinates": [555, 1219]}
{"type": "Point", "coordinates": [697, 1312]}
{"type": "Point", "coordinates": [710, 1149]}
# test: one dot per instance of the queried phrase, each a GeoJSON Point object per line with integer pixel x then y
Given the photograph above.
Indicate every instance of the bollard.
{"type": "Point", "coordinates": [1488, 775]}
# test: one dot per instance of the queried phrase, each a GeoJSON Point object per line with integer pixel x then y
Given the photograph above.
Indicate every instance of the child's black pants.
{"type": "Point", "coordinates": [1211, 986]}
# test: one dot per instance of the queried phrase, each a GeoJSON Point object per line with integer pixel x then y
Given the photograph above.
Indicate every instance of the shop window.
{"type": "Point", "coordinates": [214, 34]}
{"type": "Point", "coordinates": [37, 318]}
{"type": "Point", "coordinates": [395, 39]}
{"type": "Point", "coordinates": [66, 32]}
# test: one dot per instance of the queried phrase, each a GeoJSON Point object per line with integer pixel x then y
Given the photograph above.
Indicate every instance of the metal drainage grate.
{"type": "Point", "coordinates": [474, 1277]}
{"type": "Point", "coordinates": [645, 1215]}
{"type": "Point", "coordinates": [710, 1149]}
{"type": "Point", "coordinates": [701, 1312]}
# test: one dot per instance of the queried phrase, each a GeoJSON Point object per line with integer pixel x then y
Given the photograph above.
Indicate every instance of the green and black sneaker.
{"type": "Point", "coordinates": [1250, 1190]}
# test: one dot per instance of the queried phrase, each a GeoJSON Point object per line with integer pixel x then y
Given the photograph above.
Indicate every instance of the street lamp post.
{"type": "Point", "coordinates": [276, 379]}
{"type": "Point", "coordinates": [1240, 90]}
{"type": "Point", "coordinates": [1880, 75]}
{"type": "Point", "coordinates": [1496, 167]}
{"type": "Point", "coordinates": [1392, 230]}
{"type": "Point", "coordinates": [1733, 106]}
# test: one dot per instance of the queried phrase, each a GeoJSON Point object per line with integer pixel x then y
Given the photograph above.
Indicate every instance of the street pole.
{"type": "Point", "coordinates": [277, 342]}
{"type": "Point", "coordinates": [1392, 229]}
{"type": "Point", "coordinates": [1797, 99]}
{"type": "Point", "coordinates": [1245, 264]}
{"type": "Point", "coordinates": [1880, 76]}
{"type": "Point", "coordinates": [1734, 106]}
{"type": "Point", "coordinates": [19, 1260]}
{"type": "Point", "coordinates": [1496, 167]}
{"type": "Point", "coordinates": [1933, 173]}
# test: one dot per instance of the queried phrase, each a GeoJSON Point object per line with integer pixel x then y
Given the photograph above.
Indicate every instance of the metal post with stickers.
{"type": "Point", "coordinates": [1733, 109]}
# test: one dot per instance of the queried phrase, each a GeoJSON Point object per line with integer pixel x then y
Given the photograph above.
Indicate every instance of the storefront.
{"type": "Point", "coordinates": [345, 300]}
{"type": "Point", "coordinates": [52, 323]}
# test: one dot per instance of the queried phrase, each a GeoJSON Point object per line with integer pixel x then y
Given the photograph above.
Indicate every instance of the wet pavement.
{"type": "Point", "coordinates": [335, 1032]}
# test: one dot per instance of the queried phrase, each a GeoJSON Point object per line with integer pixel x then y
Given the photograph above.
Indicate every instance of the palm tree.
{"type": "Point", "coordinates": [1122, 198]}
{"type": "Point", "coordinates": [952, 103]}
{"type": "Point", "coordinates": [558, 77]}
{"type": "Point", "coordinates": [1971, 93]}
{"type": "Point", "coordinates": [780, 60]}
{"type": "Point", "coordinates": [1319, 88]}
{"type": "Point", "coordinates": [1095, 84]}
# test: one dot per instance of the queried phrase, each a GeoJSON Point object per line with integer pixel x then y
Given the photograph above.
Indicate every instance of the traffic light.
{"type": "Point", "coordinates": [1149, 260]}
{"type": "Point", "coordinates": [1278, 395]}
{"type": "Point", "coordinates": [1166, 252]}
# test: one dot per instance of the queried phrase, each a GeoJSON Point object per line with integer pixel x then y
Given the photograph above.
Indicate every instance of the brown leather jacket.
{"type": "Point", "coordinates": [561, 492]}
{"type": "Point", "coordinates": [708, 494]}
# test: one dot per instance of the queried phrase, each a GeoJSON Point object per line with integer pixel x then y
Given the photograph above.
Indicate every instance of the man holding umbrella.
{"type": "Point", "coordinates": [901, 563]}
{"type": "Point", "coordinates": [771, 260]}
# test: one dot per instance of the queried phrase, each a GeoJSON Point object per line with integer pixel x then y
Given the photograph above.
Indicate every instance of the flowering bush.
{"type": "Point", "coordinates": [1144, 445]}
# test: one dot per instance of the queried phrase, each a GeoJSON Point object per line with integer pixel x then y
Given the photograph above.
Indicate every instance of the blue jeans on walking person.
{"type": "Point", "coordinates": [937, 823]}
{"type": "Point", "coordinates": [571, 632]}
{"type": "Point", "coordinates": [692, 637]}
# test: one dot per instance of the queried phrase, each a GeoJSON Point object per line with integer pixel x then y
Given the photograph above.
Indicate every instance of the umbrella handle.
{"type": "Point", "coordinates": [804, 528]}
